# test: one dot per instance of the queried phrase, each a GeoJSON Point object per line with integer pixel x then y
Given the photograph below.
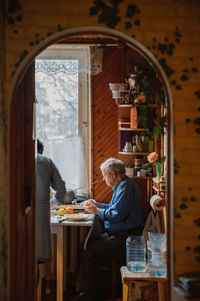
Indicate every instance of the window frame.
{"type": "Point", "coordinates": [82, 54]}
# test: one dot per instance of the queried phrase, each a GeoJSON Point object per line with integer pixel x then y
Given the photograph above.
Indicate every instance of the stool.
{"type": "Point", "coordinates": [128, 277]}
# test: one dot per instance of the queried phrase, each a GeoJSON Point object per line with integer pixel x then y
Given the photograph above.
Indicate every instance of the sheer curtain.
{"type": "Point", "coordinates": [58, 118]}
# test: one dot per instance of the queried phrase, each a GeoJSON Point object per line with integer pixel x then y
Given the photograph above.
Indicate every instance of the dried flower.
{"type": "Point", "coordinates": [153, 158]}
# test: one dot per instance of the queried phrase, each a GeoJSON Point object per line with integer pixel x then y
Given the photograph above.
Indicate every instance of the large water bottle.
{"type": "Point", "coordinates": [157, 254]}
{"type": "Point", "coordinates": [136, 253]}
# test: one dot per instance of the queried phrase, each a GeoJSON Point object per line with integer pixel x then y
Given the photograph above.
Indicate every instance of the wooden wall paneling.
{"type": "Point", "coordinates": [104, 127]}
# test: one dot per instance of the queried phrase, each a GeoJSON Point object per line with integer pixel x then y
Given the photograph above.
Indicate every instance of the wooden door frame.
{"type": "Point", "coordinates": [22, 270]}
{"type": "Point", "coordinates": [58, 37]}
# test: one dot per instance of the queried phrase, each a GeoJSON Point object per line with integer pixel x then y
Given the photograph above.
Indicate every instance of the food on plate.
{"type": "Point", "coordinates": [77, 216]}
{"type": "Point", "coordinates": [86, 203]}
{"type": "Point", "coordinates": [61, 211]}
{"type": "Point", "coordinates": [69, 210]}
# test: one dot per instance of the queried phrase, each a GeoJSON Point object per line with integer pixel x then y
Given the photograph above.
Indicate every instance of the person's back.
{"type": "Point", "coordinates": [47, 175]}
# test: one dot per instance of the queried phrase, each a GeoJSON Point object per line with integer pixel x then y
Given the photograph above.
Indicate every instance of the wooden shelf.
{"type": "Point", "coordinates": [130, 105]}
{"type": "Point", "coordinates": [125, 106]}
{"type": "Point", "coordinates": [133, 153]}
{"type": "Point", "coordinates": [132, 129]}
{"type": "Point", "coordinates": [125, 122]}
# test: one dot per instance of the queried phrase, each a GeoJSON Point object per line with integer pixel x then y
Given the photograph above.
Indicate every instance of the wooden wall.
{"type": "Point", "coordinates": [104, 119]}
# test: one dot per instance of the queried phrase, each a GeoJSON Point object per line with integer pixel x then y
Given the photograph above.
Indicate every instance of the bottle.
{"type": "Point", "coordinates": [133, 118]}
{"type": "Point", "coordinates": [136, 253]}
{"type": "Point", "coordinates": [157, 266]}
{"type": "Point", "coordinates": [157, 254]}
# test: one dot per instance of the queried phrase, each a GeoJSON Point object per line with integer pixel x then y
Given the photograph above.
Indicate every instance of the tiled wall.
{"type": "Point", "coordinates": [170, 29]}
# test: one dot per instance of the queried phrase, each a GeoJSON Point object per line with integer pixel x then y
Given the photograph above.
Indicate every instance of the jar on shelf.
{"type": "Point", "coordinates": [128, 147]}
{"type": "Point", "coordinates": [133, 118]}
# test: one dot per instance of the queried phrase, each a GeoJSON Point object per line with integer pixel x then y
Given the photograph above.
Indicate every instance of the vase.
{"type": "Point", "coordinates": [158, 170]}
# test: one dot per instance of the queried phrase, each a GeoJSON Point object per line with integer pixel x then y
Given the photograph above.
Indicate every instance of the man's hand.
{"type": "Point", "coordinates": [91, 208]}
{"type": "Point", "coordinates": [92, 201]}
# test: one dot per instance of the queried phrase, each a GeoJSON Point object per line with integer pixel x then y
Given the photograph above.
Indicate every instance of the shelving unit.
{"type": "Point", "coordinates": [126, 133]}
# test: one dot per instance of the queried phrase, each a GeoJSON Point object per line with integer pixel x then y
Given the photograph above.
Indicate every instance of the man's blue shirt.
{"type": "Point", "coordinates": [125, 211]}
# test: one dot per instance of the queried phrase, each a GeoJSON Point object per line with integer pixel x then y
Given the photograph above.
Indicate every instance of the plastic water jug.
{"type": "Point", "coordinates": [157, 254]}
{"type": "Point", "coordinates": [136, 253]}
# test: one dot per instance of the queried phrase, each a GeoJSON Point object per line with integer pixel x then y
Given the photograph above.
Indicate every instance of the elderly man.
{"type": "Point", "coordinates": [122, 217]}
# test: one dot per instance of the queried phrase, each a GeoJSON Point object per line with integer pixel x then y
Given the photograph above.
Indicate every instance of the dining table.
{"type": "Point", "coordinates": [58, 224]}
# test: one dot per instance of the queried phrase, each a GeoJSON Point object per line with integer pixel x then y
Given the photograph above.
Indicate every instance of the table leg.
{"type": "Point", "coordinates": [59, 263]}
{"type": "Point", "coordinates": [161, 290]}
{"type": "Point", "coordinates": [65, 258]}
{"type": "Point", "coordinates": [73, 249]}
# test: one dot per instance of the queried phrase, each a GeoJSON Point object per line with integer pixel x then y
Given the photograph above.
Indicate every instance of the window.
{"type": "Point", "coordinates": [62, 84]}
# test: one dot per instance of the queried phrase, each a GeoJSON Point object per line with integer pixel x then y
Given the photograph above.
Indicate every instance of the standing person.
{"type": "Point", "coordinates": [47, 175]}
{"type": "Point", "coordinates": [122, 217]}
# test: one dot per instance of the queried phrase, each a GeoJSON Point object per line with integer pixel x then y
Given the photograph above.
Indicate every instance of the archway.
{"type": "Point", "coordinates": [22, 151]}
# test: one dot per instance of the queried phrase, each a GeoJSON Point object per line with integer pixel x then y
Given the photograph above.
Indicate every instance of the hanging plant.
{"type": "Point", "coordinates": [148, 84]}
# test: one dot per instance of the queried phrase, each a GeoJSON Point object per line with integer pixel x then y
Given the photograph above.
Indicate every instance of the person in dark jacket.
{"type": "Point", "coordinates": [122, 217]}
{"type": "Point", "coordinates": [47, 176]}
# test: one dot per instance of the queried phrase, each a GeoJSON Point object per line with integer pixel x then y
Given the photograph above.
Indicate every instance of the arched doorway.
{"type": "Point", "coordinates": [22, 154]}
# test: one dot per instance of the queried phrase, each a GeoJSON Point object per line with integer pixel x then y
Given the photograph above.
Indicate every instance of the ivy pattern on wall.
{"type": "Point", "coordinates": [186, 202]}
{"type": "Point", "coordinates": [107, 14]}
{"type": "Point", "coordinates": [12, 14]}
{"type": "Point", "coordinates": [196, 121]}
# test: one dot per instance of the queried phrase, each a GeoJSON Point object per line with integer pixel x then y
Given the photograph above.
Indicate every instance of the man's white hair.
{"type": "Point", "coordinates": [113, 164]}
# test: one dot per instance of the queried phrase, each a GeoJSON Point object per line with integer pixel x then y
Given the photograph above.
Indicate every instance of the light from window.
{"type": "Point", "coordinates": [58, 117]}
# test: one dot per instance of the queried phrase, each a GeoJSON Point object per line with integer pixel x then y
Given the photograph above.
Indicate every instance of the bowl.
{"type": "Point", "coordinates": [119, 94]}
{"type": "Point", "coordinates": [118, 86]}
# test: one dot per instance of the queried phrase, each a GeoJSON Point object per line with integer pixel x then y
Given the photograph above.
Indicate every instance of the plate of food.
{"type": "Point", "coordinates": [76, 217]}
